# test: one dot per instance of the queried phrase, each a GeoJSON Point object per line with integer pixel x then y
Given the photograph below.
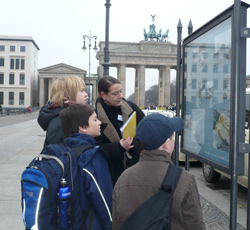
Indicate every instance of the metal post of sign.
{"type": "Point", "coordinates": [234, 138]}
{"type": "Point", "coordinates": [178, 86]}
{"type": "Point", "coordinates": [187, 162]}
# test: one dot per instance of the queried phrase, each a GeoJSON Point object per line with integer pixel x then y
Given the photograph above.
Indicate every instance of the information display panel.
{"type": "Point", "coordinates": [206, 92]}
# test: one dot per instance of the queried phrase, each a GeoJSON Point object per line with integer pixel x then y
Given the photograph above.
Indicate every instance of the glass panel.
{"type": "Point", "coordinates": [207, 107]}
{"type": "Point", "coordinates": [11, 98]}
{"type": "Point", "coordinates": [22, 63]}
{"type": "Point", "coordinates": [21, 98]}
{"type": "Point", "coordinates": [17, 63]}
{"type": "Point", "coordinates": [1, 78]}
{"type": "Point", "coordinates": [22, 79]}
{"type": "Point", "coordinates": [1, 61]}
{"type": "Point", "coordinates": [11, 80]}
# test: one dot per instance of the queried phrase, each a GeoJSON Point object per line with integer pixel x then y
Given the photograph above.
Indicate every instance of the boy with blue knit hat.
{"type": "Point", "coordinates": [154, 135]}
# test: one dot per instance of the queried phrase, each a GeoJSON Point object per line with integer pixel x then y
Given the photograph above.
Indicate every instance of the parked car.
{"type": "Point", "coordinates": [170, 113]}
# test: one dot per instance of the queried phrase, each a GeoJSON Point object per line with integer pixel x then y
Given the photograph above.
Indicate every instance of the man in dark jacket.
{"type": "Point", "coordinates": [113, 111]}
{"type": "Point", "coordinates": [154, 135]}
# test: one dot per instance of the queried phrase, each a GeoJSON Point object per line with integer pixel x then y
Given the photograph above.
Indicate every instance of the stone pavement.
{"type": "Point", "coordinates": [21, 139]}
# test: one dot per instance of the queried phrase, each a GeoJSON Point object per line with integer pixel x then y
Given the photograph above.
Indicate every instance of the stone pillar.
{"type": "Point", "coordinates": [167, 91]}
{"type": "Point", "coordinates": [50, 82]}
{"type": "Point", "coordinates": [140, 85]}
{"type": "Point", "coordinates": [42, 91]}
{"type": "Point", "coordinates": [161, 87]}
{"type": "Point", "coordinates": [164, 86]}
{"type": "Point", "coordinates": [122, 78]}
{"type": "Point", "coordinates": [100, 70]}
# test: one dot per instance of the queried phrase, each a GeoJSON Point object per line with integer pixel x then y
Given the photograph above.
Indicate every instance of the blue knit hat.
{"type": "Point", "coordinates": [154, 129]}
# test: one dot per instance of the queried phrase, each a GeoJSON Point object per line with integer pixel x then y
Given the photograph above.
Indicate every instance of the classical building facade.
{"type": "Point", "coordinates": [18, 72]}
{"type": "Point", "coordinates": [145, 54]}
{"type": "Point", "coordinates": [49, 74]}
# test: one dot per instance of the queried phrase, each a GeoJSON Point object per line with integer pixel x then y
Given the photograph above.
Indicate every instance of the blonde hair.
{"type": "Point", "coordinates": [66, 89]}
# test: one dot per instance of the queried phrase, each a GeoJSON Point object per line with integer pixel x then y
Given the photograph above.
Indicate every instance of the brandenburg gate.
{"type": "Point", "coordinates": [161, 55]}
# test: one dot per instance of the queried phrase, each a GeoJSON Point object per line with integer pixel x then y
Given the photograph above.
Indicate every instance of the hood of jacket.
{"type": "Point", "coordinates": [84, 139]}
{"type": "Point", "coordinates": [46, 115]}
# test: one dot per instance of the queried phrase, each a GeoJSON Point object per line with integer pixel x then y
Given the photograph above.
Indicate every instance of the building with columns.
{"type": "Point", "coordinates": [49, 74]}
{"type": "Point", "coordinates": [145, 54]}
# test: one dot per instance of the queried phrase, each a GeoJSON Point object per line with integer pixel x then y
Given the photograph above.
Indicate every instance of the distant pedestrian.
{"type": "Point", "coordinates": [29, 109]}
{"type": "Point", "coordinates": [65, 91]}
{"type": "Point", "coordinates": [154, 135]}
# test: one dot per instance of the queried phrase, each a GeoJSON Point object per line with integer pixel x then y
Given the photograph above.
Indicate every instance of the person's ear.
{"type": "Point", "coordinates": [82, 129]}
{"type": "Point", "coordinates": [103, 95]}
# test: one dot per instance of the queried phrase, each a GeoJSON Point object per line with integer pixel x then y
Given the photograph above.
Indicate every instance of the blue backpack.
{"type": "Point", "coordinates": [40, 183]}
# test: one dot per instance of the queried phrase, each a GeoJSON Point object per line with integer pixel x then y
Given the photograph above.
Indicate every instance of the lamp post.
{"type": "Point", "coordinates": [106, 63]}
{"type": "Point", "coordinates": [90, 36]}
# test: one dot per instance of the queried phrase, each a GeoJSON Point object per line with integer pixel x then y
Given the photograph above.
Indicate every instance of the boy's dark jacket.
{"type": "Point", "coordinates": [93, 166]}
{"type": "Point", "coordinates": [109, 138]}
{"type": "Point", "coordinates": [50, 122]}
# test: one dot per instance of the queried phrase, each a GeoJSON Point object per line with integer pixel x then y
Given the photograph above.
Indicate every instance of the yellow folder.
{"type": "Point", "coordinates": [129, 127]}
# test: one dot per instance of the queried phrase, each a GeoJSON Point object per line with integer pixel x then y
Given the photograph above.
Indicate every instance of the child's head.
{"type": "Point", "coordinates": [67, 88]}
{"type": "Point", "coordinates": [80, 118]}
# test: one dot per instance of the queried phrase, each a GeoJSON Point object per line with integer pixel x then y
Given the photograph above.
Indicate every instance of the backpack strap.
{"type": "Point", "coordinates": [171, 179]}
{"type": "Point", "coordinates": [154, 213]}
{"type": "Point", "coordinates": [78, 150]}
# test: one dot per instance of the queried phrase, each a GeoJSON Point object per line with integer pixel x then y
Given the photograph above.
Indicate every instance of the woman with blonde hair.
{"type": "Point", "coordinates": [65, 91]}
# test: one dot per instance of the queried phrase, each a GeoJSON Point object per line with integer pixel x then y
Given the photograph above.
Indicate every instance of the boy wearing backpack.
{"type": "Point", "coordinates": [80, 125]}
{"type": "Point", "coordinates": [137, 184]}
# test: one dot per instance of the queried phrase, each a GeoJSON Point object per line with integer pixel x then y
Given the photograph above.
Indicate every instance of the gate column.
{"type": "Point", "coordinates": [164, 86]}
{"type": "Point", "coordinates": [140, 85]}
{"type": "Point", "coordinates": [167, 88]}
{"type": "Point", "coordinates": [122, 78]}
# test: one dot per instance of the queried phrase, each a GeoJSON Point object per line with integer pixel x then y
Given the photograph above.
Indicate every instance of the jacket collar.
{"type": "Point", "coordinates": [155, 155]}
{"type": "Point", "coordinates": [110, 131]}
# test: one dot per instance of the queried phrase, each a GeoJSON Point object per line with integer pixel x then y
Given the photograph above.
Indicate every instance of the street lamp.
{"type": "Point", "coordinates": [106, 63]}
{"type": "Point", "coordinates": [90, 36]}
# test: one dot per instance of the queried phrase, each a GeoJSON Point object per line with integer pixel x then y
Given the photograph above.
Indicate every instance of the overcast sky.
{"type": "Point", "coordinates": [58, 26]}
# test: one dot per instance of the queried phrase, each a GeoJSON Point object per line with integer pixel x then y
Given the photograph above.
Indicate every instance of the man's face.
{"type": "Point", "coordinates": [114, 96]}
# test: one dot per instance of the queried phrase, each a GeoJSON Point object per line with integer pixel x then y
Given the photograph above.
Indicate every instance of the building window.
{"type": "Point", "coordinates": [225, 68]}
{"type": "Point", "coordinates": [1, 61]}
{"type": "Point", "coordinates": [12, 48]}
{"type": "Point", "coordinates": [216, 55]}
{"type": "Point", "coordinates": [1, 98]}
{"type": "Point", "coordinates": [22, 48]}
{"type": "Point", "coordinates": [2, 48]}
{"type": "Point", "coordinates": [22, 63]}
{"type": "Point", "coordinates": [194, 54]}
{"type": "Point", "coordinates": [22, 79]}
{"type": "Point", "coordinates": [194, 68]}
{"type": "Point", "coordinates": [193, 84]}
{"type": "Point", "coordinates": [216, 68]}
{"type": "Point", "coordinates": [204, 68]}
{"type": "Point", "coordinates": [205, 55]}
{"type": "Point", "coordinates": [17, 63]}
{"type": "Point", "coordinates": [11, 98]}
{"type": "Point", "coordinates": [1, 78]}
{"type": "Point", "coordinates": [215, 84]}
{"type": "Point", "coordinates": [12, 63]}
{"type": "Point", "coordinates": [12, 79]}
{"type": "Point", "coordinates": [21, 98]}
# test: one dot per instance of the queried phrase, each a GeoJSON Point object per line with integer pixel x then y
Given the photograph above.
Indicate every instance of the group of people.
{"type": "Point", "coordinates": [124, 180]}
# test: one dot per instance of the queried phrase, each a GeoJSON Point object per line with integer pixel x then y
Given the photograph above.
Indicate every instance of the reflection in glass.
{"type": "Point", "coordinates": [207, 107]}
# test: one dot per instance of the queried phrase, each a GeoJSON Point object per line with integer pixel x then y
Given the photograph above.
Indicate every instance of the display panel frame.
{"type": "Point", "coordinates": [207, 94]}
